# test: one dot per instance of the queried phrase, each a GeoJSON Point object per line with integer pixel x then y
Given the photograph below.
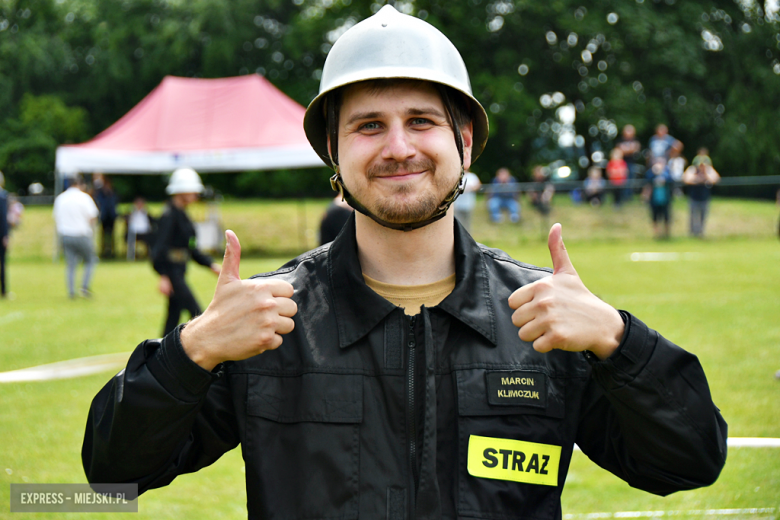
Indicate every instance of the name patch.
{"type": "Point", "coordinates": [517, 388]}
{"type": "Point", "coordinates": [517, 461]}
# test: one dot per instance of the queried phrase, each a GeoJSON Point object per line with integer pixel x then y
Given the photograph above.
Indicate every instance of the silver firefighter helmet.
{"type": "Point", "coordinates": [392, 45]}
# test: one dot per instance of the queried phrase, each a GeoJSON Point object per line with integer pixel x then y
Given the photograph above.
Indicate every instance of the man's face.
{"type": "Point", "coordinates": [397, 151]}
{"type": "Point", "coordinates": [661, 130]}
{"type": "Point", "coordinates": [189, 198]}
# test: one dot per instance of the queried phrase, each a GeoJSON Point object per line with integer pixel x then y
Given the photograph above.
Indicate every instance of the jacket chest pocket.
{"type": "Point", "coordinates": [302, 446]}
{"type": "Point", "coordinates": [512, 441]}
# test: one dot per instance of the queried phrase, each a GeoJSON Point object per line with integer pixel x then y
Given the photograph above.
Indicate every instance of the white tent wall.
{"type": "Point", "coordinates": [73, 159]}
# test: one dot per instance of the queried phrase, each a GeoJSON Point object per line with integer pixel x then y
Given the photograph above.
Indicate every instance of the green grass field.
{"type": "Point", "coordinates": [720, 299]}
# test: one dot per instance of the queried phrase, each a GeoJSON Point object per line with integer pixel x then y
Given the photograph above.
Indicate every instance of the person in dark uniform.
{"type": "Point", "coordinates": [335, 217]}
{"type": "Point", "coordinates": [106, 200]}
{"type": "Point", "coordinates": [176, 243]}
{"type": "Point", "coordinates": [3, 233]}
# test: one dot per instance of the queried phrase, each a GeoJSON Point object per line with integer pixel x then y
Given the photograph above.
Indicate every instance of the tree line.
{"type": "Point", "coordinates": [709, 70]}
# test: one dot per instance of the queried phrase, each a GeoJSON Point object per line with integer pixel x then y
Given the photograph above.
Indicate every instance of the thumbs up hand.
{"type": "Point", "coordinates": [245, 317]}
{"type": "Point", "coordinates": [559, 312]}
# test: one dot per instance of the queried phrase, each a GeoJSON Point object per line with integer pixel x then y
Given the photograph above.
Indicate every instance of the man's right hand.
{"type": "Point", "coordinates": [165, 286]}
{"type": "Point", "coordinates": [245, 318]}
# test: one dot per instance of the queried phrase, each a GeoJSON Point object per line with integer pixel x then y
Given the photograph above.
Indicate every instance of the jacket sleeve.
{"type": "Point", "coordinates": [161, 416]}
{"type": "Point", "coordinates": [648, 416]}
{"type": "Point", "coordinates": [161, 245]}
{"type": "Point", "coordinates": [201, 257]}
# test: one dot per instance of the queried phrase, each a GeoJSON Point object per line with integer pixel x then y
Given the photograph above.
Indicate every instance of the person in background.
{"type": "Point", "coordinates": [632, 154]}
{"type": "Point", "coordinates": [15, 212]}
{"type": "Point", "coordinates": [702, 156]}
{"type": "Point", "coordinates": [4, 233]}
{"type": "Point", "coordinates": [777, 202]}
{"type": "Point", "coordinates": [75, 214]}
{"type": "Point", "coordinates": [541, 193]}
{"type": "Point", "coordinates": [661, 145]}
{"type": "Point", "coordinates": [106, 200]}
{"type": "Point", "coordinates": [676, 165]}
{"type": "Point", "coordinates": [617, 173]}
{"type": "Point", "coordinates": [464, 204]}
{"type": "Point", "coordinates": [175, 244]}
{"type": "Point", "coordinates": [505, 195]}
{"type": "Point", "coordinates": [594, 186]}
{"type": "Point", "coordinates": [658, 193]}
{"type": "Point", "coordinates": [699, 180]}
{"type": "Point", "coordinates": [139, 228]}
{"type": "Point", "coordinates": [333, 220]}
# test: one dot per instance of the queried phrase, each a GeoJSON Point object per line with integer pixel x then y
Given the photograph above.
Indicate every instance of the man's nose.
{"type": "Point", "coordinates": [399, 145]}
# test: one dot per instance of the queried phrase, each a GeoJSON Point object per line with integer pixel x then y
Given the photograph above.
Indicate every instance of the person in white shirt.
{"type": "Point", "coordinates": [75, 214]}
{"type": "Point", "coordinates": [139, 227]}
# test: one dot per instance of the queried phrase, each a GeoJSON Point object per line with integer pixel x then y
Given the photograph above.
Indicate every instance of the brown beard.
{"type": "Point", "coordinates": [407, 212]}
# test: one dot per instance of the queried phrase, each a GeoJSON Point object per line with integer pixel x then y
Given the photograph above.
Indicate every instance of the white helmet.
{"type": "Point", "coordinates": [184, 180]}
{"type": "Point", "coordinates": [392, 45]}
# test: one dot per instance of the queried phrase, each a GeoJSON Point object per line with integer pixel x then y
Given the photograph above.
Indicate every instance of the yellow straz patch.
{"type": "Point", "coordinates": [518, 461]}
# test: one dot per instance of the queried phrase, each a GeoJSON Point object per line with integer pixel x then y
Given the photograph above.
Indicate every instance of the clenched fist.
{"type": "Point", "coordinates": [245, 317]}
{"type": "Point", "coordinates": [559, 312]}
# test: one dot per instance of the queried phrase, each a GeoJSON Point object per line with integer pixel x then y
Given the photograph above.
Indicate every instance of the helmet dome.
{"type": "Point", "coordinates": [386, 45]}
{"type": "Point", "coordinates": [184, 180]}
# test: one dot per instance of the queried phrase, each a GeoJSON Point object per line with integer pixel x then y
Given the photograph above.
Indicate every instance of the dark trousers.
{"type": "Point", "coordinates": [2, 268]}
{"type": "Point", "coordinates": [181, 299]}
{"type": "Point", "coordinates": [107, 238]}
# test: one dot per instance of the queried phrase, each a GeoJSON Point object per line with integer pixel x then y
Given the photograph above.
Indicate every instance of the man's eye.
{"type": "Point", "coordinates": [421, 121]}
{"type": "Point", "coordinates": [370, 126]}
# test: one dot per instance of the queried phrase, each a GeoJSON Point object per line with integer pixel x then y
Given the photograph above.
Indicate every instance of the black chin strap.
{"type": "Point", "coordinates": [337, 183]}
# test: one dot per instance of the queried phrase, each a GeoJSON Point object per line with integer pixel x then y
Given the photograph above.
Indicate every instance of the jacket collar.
{"type": "Point", "coordinates": [358, 309]}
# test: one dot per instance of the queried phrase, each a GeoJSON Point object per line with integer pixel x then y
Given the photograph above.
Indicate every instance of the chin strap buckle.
{"type": "Point", "coordinates": [336, 183]}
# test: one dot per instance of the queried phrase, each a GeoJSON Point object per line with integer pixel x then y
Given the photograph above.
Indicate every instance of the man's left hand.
{"type": "Point", "coordinates": [559, 312]}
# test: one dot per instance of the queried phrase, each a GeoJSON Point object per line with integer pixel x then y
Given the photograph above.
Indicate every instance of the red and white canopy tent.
{"type": "Point", "coordinates": [211, 125]}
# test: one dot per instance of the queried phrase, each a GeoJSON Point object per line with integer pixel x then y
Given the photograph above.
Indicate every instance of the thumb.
{"type": "Point", "coordinates": [230, 263]}
{"type": "Point", "coordinates": [560, 258]}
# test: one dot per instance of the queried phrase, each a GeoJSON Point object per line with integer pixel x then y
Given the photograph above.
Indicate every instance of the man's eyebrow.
{"type": "Point", "coordinates": [425, 111]}
{"type": "Point", "coordinates": [361, 116]}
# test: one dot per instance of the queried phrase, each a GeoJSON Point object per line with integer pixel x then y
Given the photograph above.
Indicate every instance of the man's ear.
{"type": "Point", "coordinates": [467, 134]}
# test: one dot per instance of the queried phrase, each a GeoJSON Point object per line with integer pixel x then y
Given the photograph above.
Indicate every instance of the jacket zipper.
{"type": "Point", "coordinates": [411, 411]}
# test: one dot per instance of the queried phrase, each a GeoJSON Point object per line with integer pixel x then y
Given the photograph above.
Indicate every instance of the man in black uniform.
{"type": "Point", "coordinates": [4, 233]}
{"type": "Point", "coordinates": [175, 244]}
{"type": "Point", "coordinates": [333, 220]}
{"type": "Point", "coordinates": [403, 388]}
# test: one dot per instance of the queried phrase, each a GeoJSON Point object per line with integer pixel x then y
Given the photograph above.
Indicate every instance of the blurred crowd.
{"type": "Point", "coordinates": [658, 173]}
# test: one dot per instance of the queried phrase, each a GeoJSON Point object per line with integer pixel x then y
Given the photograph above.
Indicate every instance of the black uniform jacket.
{"type": "Point", "coordinates": [175, 242]}
{"type": "Point", "coordinates": [335, 424]}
